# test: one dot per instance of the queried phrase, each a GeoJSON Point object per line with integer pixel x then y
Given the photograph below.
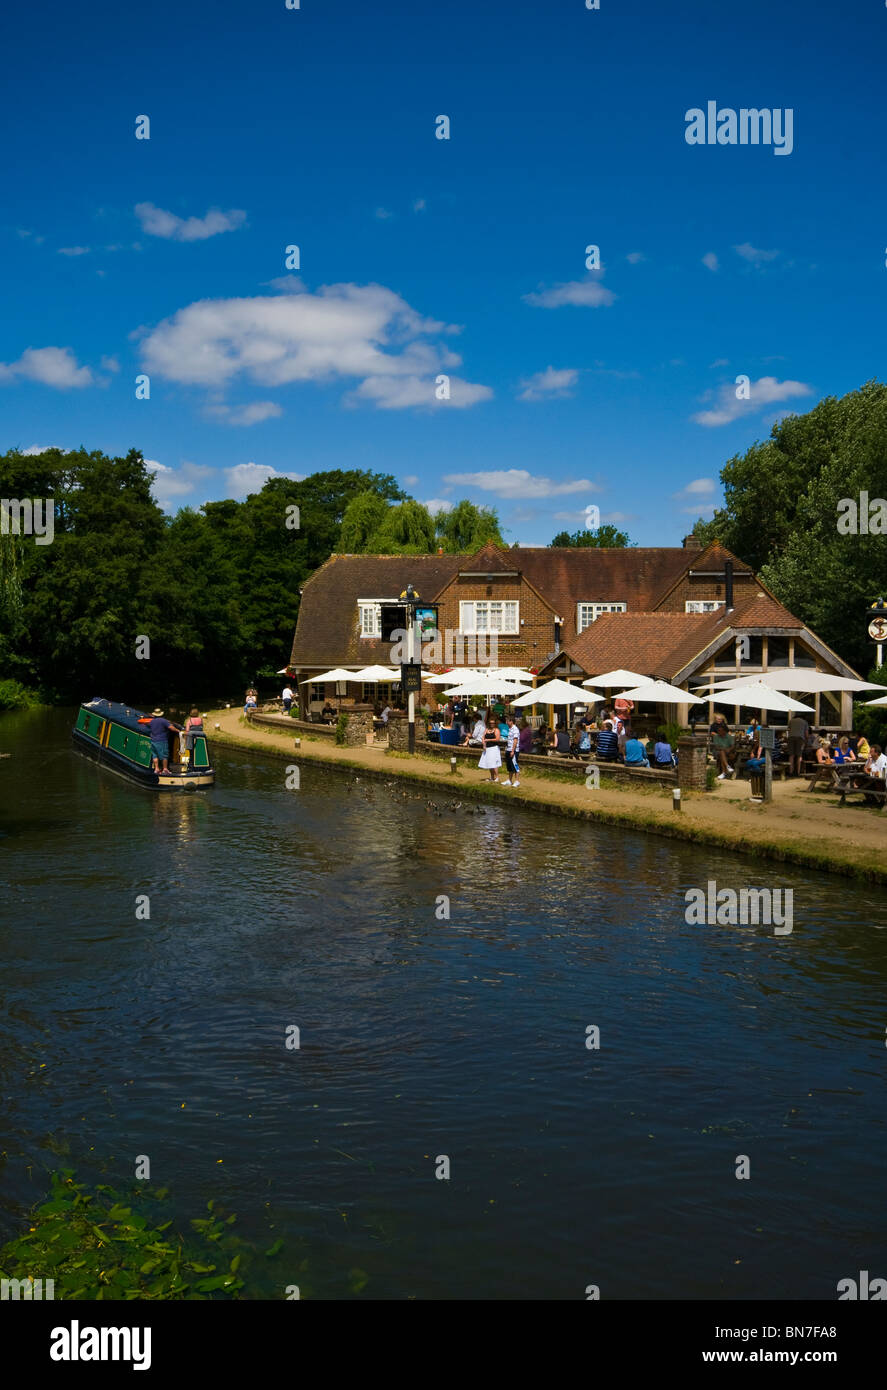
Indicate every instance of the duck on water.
{"type": "Point", "coordinates": [120, 738]}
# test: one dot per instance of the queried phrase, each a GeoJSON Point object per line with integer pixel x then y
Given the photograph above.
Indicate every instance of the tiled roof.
{"type": "Point", "coordinates": [663, 644]}
{"type": "Point", "coordinates": [327, 633]}
{"type": "Point", "coordinates": [640, 642]}
{"type": "Point", "coordinates": [568, 576]}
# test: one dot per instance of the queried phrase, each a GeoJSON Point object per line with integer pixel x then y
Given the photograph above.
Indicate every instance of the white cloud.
{"type": "Point", "coordinates": [635, 257]}
{"type": "Point", "coordinates": [363, 332]}
{"type": "Point", "coordinates": [711, 261]}
{"type": "Point", "coordinates": [438, 504]}
{"type": "Point", "coordinates": [411, 481]}
{"type": "Point", "coordinates": [33, 449]}
{"type": "Point", "coordinates": [110, 364]}
{"type": "Point", "coordinates": [516, 483]}
{"type": "Point", "coordinates": [551, 382]}
{"type": "Point", "coordinates": [700, 487]}
{"type": "Point", "coordinates": [52, 366]}
{"type": "Point", "coordinates": [585, 293]}
{"type": "Point", "coordinates": [383, 214]}
{"type": "Point", "coordinates": [720, 362]}
{"type": "Point", "coordinates": [765, 391]}
{"type": "Point", "coordinates": [74, 250]}
{"type": "Point", "coordinates": [157, 222]}
{"type": "Point", "coordinates": [419, 205]}
{"type": "Point", "coordinates": [252, 414]}
{"type": "Point", "coordinates": [251, 477]}
{"type": "Point", "coordinates": [171, 483]}
{"type": "Point", "coordinates": [753, 254]}
{"type": "Point", "coordinates": [402, 392]}
{"type": "Point", "coordinates": [701, 509]}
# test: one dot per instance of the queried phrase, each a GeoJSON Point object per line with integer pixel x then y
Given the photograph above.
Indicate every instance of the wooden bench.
{"type": "Point", "coordinates": [872, 789]}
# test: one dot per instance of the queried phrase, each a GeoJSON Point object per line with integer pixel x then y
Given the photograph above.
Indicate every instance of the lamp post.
{"type": "Point", "coordinates": [411, 597]}
{"type": "Point", "coordinates": [877, 626]}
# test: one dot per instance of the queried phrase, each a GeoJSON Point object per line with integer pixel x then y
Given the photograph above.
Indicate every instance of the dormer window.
{"type": "Point", "coordinates": [587, 613]}
{"type": "Point", "coordinates": [703, 605]}
{"type": "Point", "coordinates": [370, 617]}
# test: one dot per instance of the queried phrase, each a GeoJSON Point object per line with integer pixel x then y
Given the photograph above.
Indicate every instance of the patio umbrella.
{"type": "Point", "coordinates": [484, 685]}
{"type": "Point", "coordinates": [373, 674]}
{"type": "Point", "coordinates": [801, 678]}
{"type": "Point", "coordinates": [337, 675]}
{"type": "Point", "coordinates": [881, 701]}
{"type": "Point", "coordinates": [660, 692]}
{"type": "Point", "coordinates": [610, 679]}
{"type": "Point", "coordinates": [456, 674]}
{"type": "Point", "coordinates": [558, 692]}
{"type": "Point", "coordinates": [757, 695]}
{"type": "Point", "coordinates": [512, 673]}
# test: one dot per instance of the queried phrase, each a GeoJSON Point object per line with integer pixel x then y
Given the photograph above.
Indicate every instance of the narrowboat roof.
{"type": "Point", "coordinates": [118, 714]}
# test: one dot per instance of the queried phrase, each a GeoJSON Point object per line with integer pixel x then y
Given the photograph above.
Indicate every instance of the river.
{"type": "Point", "coordinates": [422, 1037]}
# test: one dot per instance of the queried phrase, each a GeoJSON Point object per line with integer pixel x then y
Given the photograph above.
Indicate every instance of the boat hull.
{"type": "Point", "coordinates": [120, 744]}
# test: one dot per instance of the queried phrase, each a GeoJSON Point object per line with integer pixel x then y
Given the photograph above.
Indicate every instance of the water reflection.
{"type": "Point", "coordinates": [422, 1036]}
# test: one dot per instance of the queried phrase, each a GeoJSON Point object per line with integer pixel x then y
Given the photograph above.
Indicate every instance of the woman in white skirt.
{"type": "Point", "coordinates": [491, 757]}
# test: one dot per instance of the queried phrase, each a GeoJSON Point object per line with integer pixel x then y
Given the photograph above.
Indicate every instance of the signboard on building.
{"type": "Point", "coordinates": [410, 677]}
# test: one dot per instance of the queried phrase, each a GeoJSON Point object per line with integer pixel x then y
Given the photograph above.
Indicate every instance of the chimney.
{"type": "Point", "coordinates": [728, 585]}
{"type": "Point", "coordinates": [692, 543]}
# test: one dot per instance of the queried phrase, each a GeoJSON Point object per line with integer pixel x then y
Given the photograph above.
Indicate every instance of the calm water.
{"type": "Point", "coordinates": [423, 1037]}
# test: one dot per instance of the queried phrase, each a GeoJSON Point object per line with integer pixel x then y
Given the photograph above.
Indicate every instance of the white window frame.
{"type": "Point", "coordinates": [370, 613]}
{"type": "Point", "coordinates": [583, 620]}
{"type": "Point", "coordinates": [703, 605]}
{"type": "Point", "coordinates": [473, 622]}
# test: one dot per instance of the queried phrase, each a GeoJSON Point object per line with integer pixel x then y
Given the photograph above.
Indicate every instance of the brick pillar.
{"type": "Point", "coordinates": [399, 731]}
{"type": "Point", "coordinates": [691, 762]}
{"type": "Point", "coordinates": [360, 723]}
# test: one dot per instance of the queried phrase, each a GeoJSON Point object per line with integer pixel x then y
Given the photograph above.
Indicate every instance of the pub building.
{"type": "Point", "coordinates": [685, 614]}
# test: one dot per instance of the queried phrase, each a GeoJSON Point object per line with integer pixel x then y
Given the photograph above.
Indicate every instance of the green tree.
{"type": "Point", "coordinates": [407, 529]}
{"type": "Point", "coordinates": [781, 513]}
{"type": "Point", "coordinates": [606, 537]}
{"type": "Point", "coordinates": [465, 528]}
{"type": "Point", "coordinates": [363, 517]}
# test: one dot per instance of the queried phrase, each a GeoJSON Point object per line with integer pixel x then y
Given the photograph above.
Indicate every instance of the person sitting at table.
{"type": "Point", "coordinates": [753, 730]}
{"type": "Point", "coordinates": [607, 743]}
{"type": "Point", "coordinates": [583, 735]}
{"type": "Point", "coordinates": [862, 748]}
{"type": "Point", "coordinates": [876, 763]}
{"type": "Point", "coordinates": [754, 763]}
{"type": "Point", "coordinates": [662, 754]}
{"type": "Point", "coordinates": [635, 754]}
{"type": "Point", "coordinates": [328, 713]}
{"type": "Point", "coordinates": [820, 752]}
{"type": "Point", "coordinates": [559, 743]}
{"type": "Point", "coordinates": [721, 741]}
{"type": "Point", "coordinates": [844, 753]}
{"type": "Point", "coordinates": [476, 738]}
{"type": "Point", "coordinates": [525, 741]}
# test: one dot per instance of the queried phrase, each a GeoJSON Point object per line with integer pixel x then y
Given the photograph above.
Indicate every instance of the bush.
{"type": "Point", "coordinates": [711, 778]}
{"type": "Point", "coordinates": [13, 695]}
{"type": "Point", "coordinates": [341, 726]}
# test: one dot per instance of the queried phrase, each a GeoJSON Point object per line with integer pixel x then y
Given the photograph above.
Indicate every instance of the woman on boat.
{"type": "Point", "coordinates": [491, 757]}
{"type": "Point", "coordinates": [193, 725]}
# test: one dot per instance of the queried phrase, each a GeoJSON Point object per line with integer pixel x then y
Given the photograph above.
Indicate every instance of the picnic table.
{"type": "Point", "coordinates": [850, 781]}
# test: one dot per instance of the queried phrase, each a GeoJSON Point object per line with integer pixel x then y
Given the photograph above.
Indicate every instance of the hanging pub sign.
{"type": "Point", "coordinates": [411, 677]}
{"type": "Point", "coordinates": [877, 621]}
{"type": "Point", "coordinates": [393, 620]}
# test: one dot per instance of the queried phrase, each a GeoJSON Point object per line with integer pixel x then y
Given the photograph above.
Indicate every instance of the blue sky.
{"type": "Point", "coordinates": [422, 257]}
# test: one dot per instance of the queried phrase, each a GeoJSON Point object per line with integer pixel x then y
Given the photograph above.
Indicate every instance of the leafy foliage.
{"type": "Point", "coordinates": [96, 1247]}
{"type": "Point", "coordinates": [781, 515]}
{"type": "Point", "coordinates": [605, 537]}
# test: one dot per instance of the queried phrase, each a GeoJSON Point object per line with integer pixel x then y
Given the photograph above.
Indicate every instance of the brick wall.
{"type": "Point", "coordinates": [532, 645]}
{"type": "Point", "coordinates": [702, 587]}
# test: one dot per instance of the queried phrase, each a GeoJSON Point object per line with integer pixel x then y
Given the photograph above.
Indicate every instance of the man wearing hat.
{"type": "Point", "coordinates": [159, 730]}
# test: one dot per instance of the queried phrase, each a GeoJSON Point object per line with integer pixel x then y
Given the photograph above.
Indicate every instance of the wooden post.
{"type": "Point", "coordinates": [768, 776]}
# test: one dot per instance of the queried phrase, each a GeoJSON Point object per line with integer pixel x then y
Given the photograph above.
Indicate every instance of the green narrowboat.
{"type": "Point", "coordinates": [116, 736]}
